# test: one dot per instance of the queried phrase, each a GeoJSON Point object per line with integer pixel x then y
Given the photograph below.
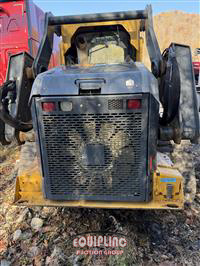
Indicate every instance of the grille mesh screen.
{"type": "Point", "coordinates": [71, 176]}
{"type": "Point", "coordinates": [115, 104]}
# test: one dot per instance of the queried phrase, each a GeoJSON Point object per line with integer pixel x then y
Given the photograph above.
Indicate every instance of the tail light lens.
{"type": "Point", "coordinates": [48, 107]}
{"type": "Point", "coordinates": [66, 106]}
{"type": "Point", "coordinates": [134, 104]}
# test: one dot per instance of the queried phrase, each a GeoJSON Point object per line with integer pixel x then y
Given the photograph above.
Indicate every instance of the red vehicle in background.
{"type": "Point", "coordinates": [21, 29]}
{"type": "Point", "coordinates": [196, 67]}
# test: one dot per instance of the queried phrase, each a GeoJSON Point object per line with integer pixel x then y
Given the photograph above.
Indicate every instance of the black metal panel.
{"type": "Point", "coordinates": [17, 71]}
{"type": "Point", "coordinates": [116, 79]}
{"type": "Point", "coordinates": [17, 115]}
{"type": "Point", "coordinates": [188, 111]}
{"type": "Point", "coordinates": [152, 140]}
{"type": "Point", "coordinates": [98, 17]}
{"type": "Point", "coordinates": [70, 143]}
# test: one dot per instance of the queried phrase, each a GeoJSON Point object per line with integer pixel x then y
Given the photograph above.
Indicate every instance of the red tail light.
{"type": "Point", "coordinates": [48, 107]}
{"type": "Point", "coordinates": [134, 104]}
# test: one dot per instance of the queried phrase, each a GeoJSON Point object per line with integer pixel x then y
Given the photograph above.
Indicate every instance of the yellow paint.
{"type": "Point", "coordinates": [131, 26]}
{"type": "Point", "coordinates": [141, 50]}
{"type": "Point", "coordinates": [29, 192]}
{"type": "Point", "coordinates": [160, 188]}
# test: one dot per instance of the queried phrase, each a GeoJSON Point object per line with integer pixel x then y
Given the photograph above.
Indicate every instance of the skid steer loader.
{"type": "Point", "coordinates": [92, 126]}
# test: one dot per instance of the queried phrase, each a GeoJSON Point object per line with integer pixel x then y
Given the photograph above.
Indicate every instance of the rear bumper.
{"type": "Point", "coordinates": [29, 192]}
{"type": "Point", "coordinates": [38, 200]}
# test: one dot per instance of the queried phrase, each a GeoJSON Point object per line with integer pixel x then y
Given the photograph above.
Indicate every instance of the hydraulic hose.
{"type": "Point", "coordinates": [4, 113]}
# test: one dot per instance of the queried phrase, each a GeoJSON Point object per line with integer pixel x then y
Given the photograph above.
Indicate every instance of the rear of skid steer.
{"type": "Point", "coordinates": [167, 186]}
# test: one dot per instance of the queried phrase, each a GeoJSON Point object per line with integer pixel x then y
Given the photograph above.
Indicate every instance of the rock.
{"type": "Point", "coordinates": [38, 209]}
{"type": "Point", "coordinates": [167, 263]}
{"type": "Point", "coordinates": [11, 214]}
{"type": "Point", "coordinates": [22, 217]}
{"type": "Point", "coordinates": [75, 260]}
{"type": "Point", "coordinates": [3, 244]}
{"type": "Point", "coordinates": [5, 263]}
{"type": "Point", "coordinates": [164, 257]}
{"type": "Point", "coordinates": [57, 252]}
{"type": "Point", "coordinates": [26, 235]}
{"type": "Point", "coordinates": [34, 251]}
{"type": "Point", "coordinates": [48, 260]}
{"type": "Point", "coordinates": [56, 255]}
{"type": "Point", "coordinates": [17, 234]}
{"type": "Point", "coordinates": [4, 208]}
{"type": "Point", "coordinates": [46, 211]}
{"type": "Point", "coordinates": [188, 221]}
{"type": "Point", "coordinates": [195, 211]}
{"type": "Point", "coordinates": [188, 213]}
{"type": "Point", "coordinates": [11, 252]}
{"type": "Point", "coordinates": [48, 229]}
{"type": "Point", "coordinates": [38, 261]}
{"type": "Point", "coordinates": [52, 262]}
{"type": "Point", "coordinates": [36, 223]}
{"type": "Point", "coordinates": [3, 233]}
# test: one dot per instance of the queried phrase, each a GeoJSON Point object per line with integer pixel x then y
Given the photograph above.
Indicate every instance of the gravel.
{"type": "Point", "coordinates": [43, 236]}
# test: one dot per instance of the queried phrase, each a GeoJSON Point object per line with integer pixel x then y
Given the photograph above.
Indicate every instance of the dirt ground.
{"type": "Point", "coordinates": [162, 238]}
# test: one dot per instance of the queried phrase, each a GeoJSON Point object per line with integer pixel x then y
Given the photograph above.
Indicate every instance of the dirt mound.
{"type": "Point", "coordinates": [178, 27]}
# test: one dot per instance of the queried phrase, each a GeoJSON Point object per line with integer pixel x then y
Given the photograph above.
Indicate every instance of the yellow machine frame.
{"type": "Point", "coordinates": [29, 192]}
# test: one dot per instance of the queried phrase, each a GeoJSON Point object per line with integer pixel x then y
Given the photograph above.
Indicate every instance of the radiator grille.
{"type": "Point", "coordinates": [116, 140]}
